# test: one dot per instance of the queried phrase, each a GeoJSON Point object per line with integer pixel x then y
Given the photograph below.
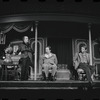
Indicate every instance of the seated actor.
{"type": "Point", "coordinates": [82, 60]}
{"type": "Point", "coordinates": [26, 58]}
{"type": "Point", "coordinates": [48, 61]}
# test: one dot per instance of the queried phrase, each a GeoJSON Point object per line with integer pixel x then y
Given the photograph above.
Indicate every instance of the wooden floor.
{"type": "Point", "coordinates": [49, 90]}
{"type": "Point", "coordinates": [64, 84]}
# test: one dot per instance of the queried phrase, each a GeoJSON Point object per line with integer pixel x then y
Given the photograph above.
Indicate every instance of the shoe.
{"type": "Point", "coordinates": [43, 76]}
{"type": "Point", "coordinates": [47, 79]}
{"type": "Point", "coordinates": [91, 83]}
{"type": "Point", "coordinates": [53, 78]}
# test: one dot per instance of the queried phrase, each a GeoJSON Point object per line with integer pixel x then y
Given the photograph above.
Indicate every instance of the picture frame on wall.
{"type": "Point", "coordinates": [2, 38]}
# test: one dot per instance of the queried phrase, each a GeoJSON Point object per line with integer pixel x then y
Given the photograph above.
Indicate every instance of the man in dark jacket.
{"type": "Point", "coordinates": [26, 58]}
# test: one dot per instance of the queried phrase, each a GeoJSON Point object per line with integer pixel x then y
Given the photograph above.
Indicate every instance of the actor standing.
{"type": "Point", "coordinates": [26, 58]}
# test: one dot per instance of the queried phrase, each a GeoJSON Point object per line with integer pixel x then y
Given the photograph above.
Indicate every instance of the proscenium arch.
{"type": "Point", "coordinates": [50, 17]}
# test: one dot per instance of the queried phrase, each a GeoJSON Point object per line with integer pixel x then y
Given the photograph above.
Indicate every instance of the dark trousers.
{"type": "Point", "coordinates": [25, 63]}
{"type": "Point", "coordinates": [88, 69]}
{"type": "Point", "coordinates": [74, 74]}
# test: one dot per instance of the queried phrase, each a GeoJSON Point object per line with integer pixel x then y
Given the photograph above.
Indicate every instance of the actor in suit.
{"type": "Point", "coordinates": [26, 58]}
{"type": "Point", "coordinates": [48, 62]}
{"type": "Point", "coordinates": [82, 60]}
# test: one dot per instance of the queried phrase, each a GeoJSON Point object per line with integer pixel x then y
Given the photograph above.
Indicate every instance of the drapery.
{"type": "Point", "coordinates": [19, 26]}
{"type": "Point", "coordinates": [62, 47]}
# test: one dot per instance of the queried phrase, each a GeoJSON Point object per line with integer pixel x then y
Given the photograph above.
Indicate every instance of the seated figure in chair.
{"type": "Point", "coordinates": [48, 62]}
{"type": "Point", "coordinates": [82, 60]}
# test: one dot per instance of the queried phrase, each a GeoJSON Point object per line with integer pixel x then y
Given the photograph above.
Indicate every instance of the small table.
{"type": "Point", "coordinates": [5, 70]}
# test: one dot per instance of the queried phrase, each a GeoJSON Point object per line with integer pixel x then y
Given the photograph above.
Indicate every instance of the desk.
{"type": "Point", "coordinates": [5, 70]}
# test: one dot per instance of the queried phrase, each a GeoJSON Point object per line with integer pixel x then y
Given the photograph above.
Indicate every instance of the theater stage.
{"type": "Point", "coordinates": [65, 84]}
{"type": "Point", "coordinates": [43, 90]}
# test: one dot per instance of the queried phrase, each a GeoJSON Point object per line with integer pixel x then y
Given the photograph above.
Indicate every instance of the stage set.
{"type": "Point", "coordinates": [65, 25]}
{"type": "Point", "coordinates": [64, 37]}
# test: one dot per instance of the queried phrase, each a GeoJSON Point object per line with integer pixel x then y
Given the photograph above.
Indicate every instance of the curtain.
{"type": "Point", "coordinates": [19, 27]}
{"type": "Point", "coordinates": [6, 27]}
{"type": "Point", "coordinates": [22, 26]}
{"type": "Point", "coordinates": [62, 47]}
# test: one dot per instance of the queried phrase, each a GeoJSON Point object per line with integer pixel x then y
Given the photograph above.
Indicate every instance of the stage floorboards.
{"type": "Point", "coordinates": [65, 84]}
{"type": "Point", "coordinates": [49, 90]}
